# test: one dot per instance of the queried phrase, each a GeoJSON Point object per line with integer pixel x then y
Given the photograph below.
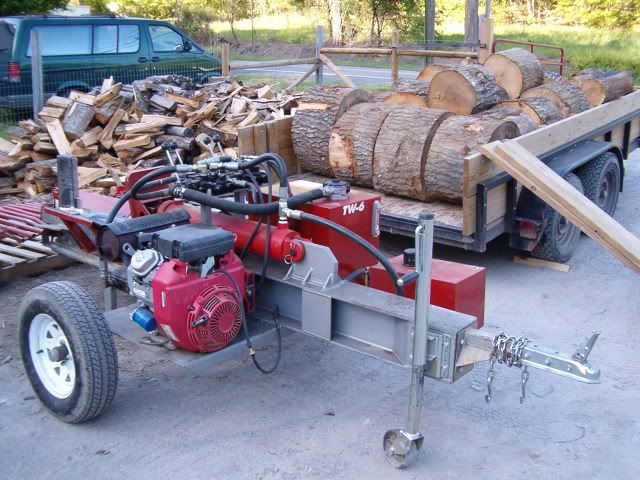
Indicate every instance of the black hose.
{"type": "Point", "coordinates": [359, 240]}
{"type": "Point", "coordinates": [355, 274]}
{"type": "Point", "coordinates": [153, 195]}
{"type": "Point", "coordinates": [276, 162]}
{"type": "Point", "coordinates": [245, 328]}
{"type": "Point", "coordinates": [256, 229]}
{"type": "Point", "coordinates": [267, 235]}
{"type": "Point", "coordinates": [246, 208]}
{"type": "Point", "coordinates": [136, 187]}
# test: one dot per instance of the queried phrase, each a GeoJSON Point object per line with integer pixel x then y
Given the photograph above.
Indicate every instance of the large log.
{"type": "Point", "coordinates": [465, 90]}
{"type": "Point", "coordinates": [401, 150]}
{"type": "Point", "coordinates": [430, 71]}
{"type": "Point", "coordinates": [456, 138]}
{"type": "Point", "coordinates": [602, 87]}
{"type": "Point", "coordinates": [516, 70]}
{"type": "Point", "coordinates": [353, 141]}
{"type": "Point", "coordinates": [503, 112]}
{"type": "Point", "coordinates": [540, 110]}
{"type": "Point", "coordinates": [569, 98]}
{"type": "Point", "coordinates": [411, 92]}
{"type": "Point", "coordinates": [318, 110]}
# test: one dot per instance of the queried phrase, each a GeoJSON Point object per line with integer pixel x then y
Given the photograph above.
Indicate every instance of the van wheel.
{"type": "Point", "coordinates": [601, 179]}
{"type": "Point", "coordinates": [67, 351]}
{"type": "Point", "coordinates": [560, 237]}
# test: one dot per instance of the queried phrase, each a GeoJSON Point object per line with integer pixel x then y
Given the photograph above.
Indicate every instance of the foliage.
{"type": "Point", "coordinates": [17, 7]}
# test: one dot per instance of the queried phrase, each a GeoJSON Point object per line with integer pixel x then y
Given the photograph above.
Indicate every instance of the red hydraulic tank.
{"type": "Point", "coordinates": [454, 286]}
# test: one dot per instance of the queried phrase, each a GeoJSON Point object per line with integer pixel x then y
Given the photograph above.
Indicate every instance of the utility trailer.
{"type": "Point", "coordinates": [592, 145]}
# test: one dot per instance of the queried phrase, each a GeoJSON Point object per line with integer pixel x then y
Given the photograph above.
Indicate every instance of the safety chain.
{"type": "Point", "coordinates": [507, 350]}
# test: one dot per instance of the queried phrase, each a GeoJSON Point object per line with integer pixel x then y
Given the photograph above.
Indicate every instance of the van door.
{"type": "Point", "coordinates": [120, 50]}
{"type": "Point", "coordinates": [167, 52]}
{"type": "Point", "coordinates": [67, 61]}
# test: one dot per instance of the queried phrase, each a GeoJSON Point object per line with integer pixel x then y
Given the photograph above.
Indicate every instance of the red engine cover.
{"type": "Point", "coordinates": [200, 314]}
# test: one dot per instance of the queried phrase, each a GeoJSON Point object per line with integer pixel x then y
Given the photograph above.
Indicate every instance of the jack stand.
{"type": "Point", "coordinates": [401, 445]}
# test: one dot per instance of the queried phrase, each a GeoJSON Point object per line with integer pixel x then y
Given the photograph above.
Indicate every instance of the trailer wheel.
{"type": "Point", "coordinates": [601, 179]}
{"type": "Point", "coordinates": [560, 237]}
{"type": "Point", "coordinates": [67, 351]}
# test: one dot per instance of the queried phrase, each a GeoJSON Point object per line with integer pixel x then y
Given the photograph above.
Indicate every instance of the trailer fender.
{"type": "Point", "coordinates": [532, 213]}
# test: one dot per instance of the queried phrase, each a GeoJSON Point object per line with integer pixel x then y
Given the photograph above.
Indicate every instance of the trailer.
{"type": "Point", "coordinates": [591, 145]}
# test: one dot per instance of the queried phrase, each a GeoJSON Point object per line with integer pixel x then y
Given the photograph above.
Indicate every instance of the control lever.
{"type": "Point", "coordinates": [167, 146]}
{"type": "Point", "coordinates": [583, 351]}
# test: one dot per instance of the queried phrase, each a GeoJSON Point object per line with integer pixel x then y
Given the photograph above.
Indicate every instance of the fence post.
{"type": "Point", "coordinates": [37, 86]}
{"type": "Point", "coordinates": [395, 41]}
{"type": "Point", "coordinates": [319, 45]}
{"type": "Point", "coordinates": [486, 37]}
{"type": "Point", "coordinates": [225, 60]}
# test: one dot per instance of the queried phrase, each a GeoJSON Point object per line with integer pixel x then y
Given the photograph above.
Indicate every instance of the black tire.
{"type": "Point", "coordinates": [92, 350]}
{"type": "Point", "coordinates": [601, 179]}
{"type": "Point", "coordinates": [560, 237]}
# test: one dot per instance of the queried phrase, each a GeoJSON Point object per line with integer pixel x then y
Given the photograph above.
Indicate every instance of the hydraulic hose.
{"type": "Point", "coordinates": [138, 186]}
{"type": "Point", "coordinates": [272, 158]}
{"type": "Point", "coordinates": [357, 239]}
{"type": "Point", "coordinates": [245, 208]}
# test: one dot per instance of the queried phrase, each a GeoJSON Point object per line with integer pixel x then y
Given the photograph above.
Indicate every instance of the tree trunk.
{"type": "Point", "coordinates": [336, 21]}
{"type": "Point", "coordinates": [569, 98]}
{"type": "Point", "coordinates": [401, 150]}
{"type": "Point", "coordinates": [516, 70]}
{"type": "Point", "coordinates": [540, 110]}
{"type": "Point", "coordinates": [430, 71]}
{"type": "Point", "coordinates": [517, 116]}
{"type": "Point", "coordinates": [606, 87]}
{"type": "Point", "coordinates": [465, 90]}
{"type": "Point", "coordinates": [471, 27]}
{"type": "Point", "coordinates": [456, 138]}
{"type": "Point", "coordinates": [353, 140]}
{"type": "Point", "coordinates": [317, 113]}
{"type": "Point", "coordinates": [412, 92]}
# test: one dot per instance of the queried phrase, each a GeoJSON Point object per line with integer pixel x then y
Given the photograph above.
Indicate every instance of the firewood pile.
{"type": "Point", "coordinates": [118, 128]}
{"type": "Point", "coordinates": [411, 140]}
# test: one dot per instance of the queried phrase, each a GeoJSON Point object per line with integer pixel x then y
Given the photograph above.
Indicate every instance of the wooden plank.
{"type": "Point", "coordinates": [260, 139]}
{"type": "Point", "coordinates": [20, 252]}
{"type": "Point", "coordinates": [34, 267]}
{"type": "Point", "coordinates": [536, 262]}
{"type": "Point", "coordinates": [245, 140]}
{"type": "Point", "coordinates": [10, 260]}
{"type": "Point", "coordinates": [58, 137]}
{"type": "Point", "coordinates": [562, 197]}
{"type": "Point", "coordinates": [545, 139]}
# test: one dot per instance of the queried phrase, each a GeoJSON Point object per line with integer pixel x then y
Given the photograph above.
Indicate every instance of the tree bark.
{"type": "Point", "coordinates": [353, 140]}
{"type": "Point", "coordinates": [517, 116]}
{"type": "Point", "coordinates": [606, 87]}
{"type": "Point", "coordinates": [77, 119]}
{"type": "Point", "coordinates": [336, 21]}
{"type": "Point", "coordinates": [317, 113]}
{"type": "Point", "coordinates": [430, 71]}
{"type": "Point", "coordinates": [540, 110]}
{"type": "Point", "coordinates": [456, 138]}
{"type": "Point", "coordinates": [411, 92]}
{"type": "Point", "coordinates": [465, 90]}
{"type": "Point", "coordinates": [569, 98]}
{"type": "Point", "coordinates": [516, 70]}
{"type": "Point", "coordinates": [401, 150]}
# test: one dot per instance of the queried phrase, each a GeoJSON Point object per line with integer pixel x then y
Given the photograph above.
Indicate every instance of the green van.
{"type": "Point", "coordinates": [79, 52]}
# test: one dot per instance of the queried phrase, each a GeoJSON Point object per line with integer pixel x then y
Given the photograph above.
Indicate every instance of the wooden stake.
{"type": "Point", "coordinates": [291, 87]}
{"type": "Point", "coordinates": [225, 60]}
{"type": "Point", "coordinates": [343, 78]}
{"type": "Point", "coordinates": [394, 55]}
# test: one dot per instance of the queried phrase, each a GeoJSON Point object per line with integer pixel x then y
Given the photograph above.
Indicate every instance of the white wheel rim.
{"type": "Point", "coordinates": [46, 339]}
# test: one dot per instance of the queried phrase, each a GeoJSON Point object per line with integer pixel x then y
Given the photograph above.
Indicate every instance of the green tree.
{"type": "Point", "coordinates": [18, 7]}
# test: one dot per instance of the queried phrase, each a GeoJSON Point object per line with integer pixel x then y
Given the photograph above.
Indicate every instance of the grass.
{"type": "Point", "coordinates": [584, 47]}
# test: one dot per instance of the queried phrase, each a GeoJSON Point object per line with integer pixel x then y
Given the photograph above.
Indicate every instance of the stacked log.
{"type": "Point", "coordinates": [602, 87]}
{"type": "Point", "coordinates": [456, 138]}
{"type": "Point", "coordinates": [430, 71]}
{"type": "Point", "coordinates": [540, 110]}
{"type": "Point", "coordinates": [516, 70]}
{"type": "Point", "coordinates": [569, 98]}
{"type": "Point", "coordinates": [504, 112]}
{"type": "Point", "coordinates": [412, 92]}
{"type": "Point", "coordinates": [353, 141]}
{"type": "Point", "coordinates": [401, 150]}
{"type": "Point", "coordinates": [318, 111]}
{"type": "Point", "coordinates": [465, 90]}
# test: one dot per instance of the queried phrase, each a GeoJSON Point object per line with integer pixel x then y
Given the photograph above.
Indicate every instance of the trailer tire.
{"type": "Point", "coordinates": [601, 179]}
{"type": "Point", "coordinates": [67, 351]}
{"type": "Point", "coordinates": [560, 237]}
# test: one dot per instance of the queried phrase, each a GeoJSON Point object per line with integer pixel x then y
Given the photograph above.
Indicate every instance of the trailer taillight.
{"type": "Point", "coordinates": [528, 229]}
{"type": "Point", "coordinates": [14, 72]}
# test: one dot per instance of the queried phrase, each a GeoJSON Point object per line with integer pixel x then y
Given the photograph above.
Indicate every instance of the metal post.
{"type": "Point", "coordinates": [37, 86]}
{"type": "Point", "coordinates": [110, 299]}
{"type": "Point", "coordinates": [319, 45]}
{"type": "Point", "coordinates": [429, 28]}
{"type": "Point", "coordinates": [401, 445]}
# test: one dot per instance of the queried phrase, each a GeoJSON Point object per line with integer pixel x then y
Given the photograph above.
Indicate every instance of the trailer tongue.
{"type": "Point", "coordinates": [207, 253]}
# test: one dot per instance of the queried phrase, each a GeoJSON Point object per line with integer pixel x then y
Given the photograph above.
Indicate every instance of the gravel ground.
{"type": "Point", "coordinates": [323, 413]}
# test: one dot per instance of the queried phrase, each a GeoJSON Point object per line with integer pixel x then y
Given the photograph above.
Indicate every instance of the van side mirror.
{"type": "Point", "coordinates": [178, 48]}
{"type": "Point", "coordinates": [187, 46]}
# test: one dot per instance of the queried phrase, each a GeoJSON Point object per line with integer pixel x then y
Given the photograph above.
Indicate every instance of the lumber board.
{"type": "Point", "coordinates": [524, 166]}
{"type": "Point", "coordinates": [536, 262]}
{"type": "Point", "coordinates": [549, 138]}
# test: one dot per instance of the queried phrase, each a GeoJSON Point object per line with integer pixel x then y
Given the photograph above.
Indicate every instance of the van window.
{"type": "Point", "coordinates": [63, 40]}
{"type": "Point", "coordinates": [163, 38]}
{"type": "Point", "coordinates": [116, 39]}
